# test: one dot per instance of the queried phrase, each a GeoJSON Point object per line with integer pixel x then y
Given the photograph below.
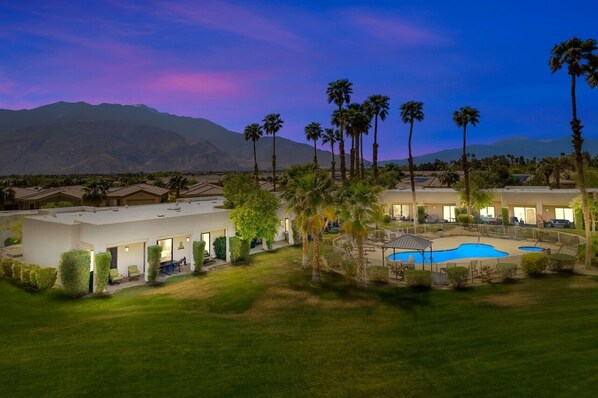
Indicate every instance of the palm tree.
{"type": "Point", "coordinates": [7, 194]}
{"type": "Point", "coordinates": [359, 206]}
{"type": "Point", "coordinates": [466, 115]}
{"type": "Point", "coordinates": [581, 60]}
{"type": "Point", "coordinates": [379, 105]}
{"type": "Point", "coordinates": [340, 92]}
{"type": "Point", "coordinates": [357, 123]}
{"type": "Point", "coordinates": [331, 137]}
{"type": "Point", "coordinates": [313, 132]}
{"type": "Point", "coordinates": [253, 132]}
{"type": "Point", "coordinates": [96, 191]}
{"type": "Point", "coordinates": [448, 177]}
{"type": "Point", "coordinates": [410, 112]}
{"type": "Point", "coordinates": [176, 184]}
{"type": "Point", "coordinates": [272, 125]}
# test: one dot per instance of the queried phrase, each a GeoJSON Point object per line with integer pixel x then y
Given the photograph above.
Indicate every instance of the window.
{"type": "Point", "coordinates": [448, 213]}
{"type": "Point", "coordinates": [401, 212]}
{"type": "Point", "coordinates": [488, 212]}
{"type": "Point", "coordinates": [166, 249]}
{"type": "Point", "coordinates": [564, 213]}
{"type": "Point", "coordinates": [527, 214]}
{"type": "Point", "coordinates": [206, 238]}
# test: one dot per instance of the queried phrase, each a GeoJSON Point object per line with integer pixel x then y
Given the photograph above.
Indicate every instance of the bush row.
{"type": "Point", "coordinates": [28, 275]}
{"type": "Point", "coordinates": [417, 278]}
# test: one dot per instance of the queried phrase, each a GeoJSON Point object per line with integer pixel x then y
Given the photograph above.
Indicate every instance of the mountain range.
{"type": "Point", "coordinates": [78, 138]}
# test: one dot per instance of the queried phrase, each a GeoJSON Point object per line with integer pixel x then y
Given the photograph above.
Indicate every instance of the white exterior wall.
{"type": "Point", "coordinates": [44, 242]}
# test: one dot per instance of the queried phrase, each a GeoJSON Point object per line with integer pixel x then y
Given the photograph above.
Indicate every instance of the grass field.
{"type": "Point", "coordinates": [264, 330]}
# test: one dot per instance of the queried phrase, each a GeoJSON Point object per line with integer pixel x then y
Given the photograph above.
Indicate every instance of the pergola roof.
{"type": "Point", "coordinates": [408, 241]}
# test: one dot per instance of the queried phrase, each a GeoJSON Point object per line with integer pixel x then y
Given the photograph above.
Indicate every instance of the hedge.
{"type": "Point", "coordinates": [220, 247]}
{"type": "Point", "coordinates": [28, 275]}
{"type": "Point", "coordinates": [533, 264]}
{"type": "Point", "coordinates": [11, 240]}
{"type": "Point", "coordinates": [506, 271]}
{"type": "Point", "coordinates": [504, 212]}
{"type": "Point", "coordinates": [417, 278]}
{"type": "Point", "coordinates": [199, 249]}
{"type": "Point", "coordinates": [74, 272]}
{"type": "Point", "coordinates": [45, 278]}
{"type": "Point", "coordinates": [561, 262]}
{"type": "Point", "coordinates": [378, 274]}
{"type": "Point", "coordinates": [102, 270]}
{"type": "Point", "coordinates": [239, 249]}
{"type": "Point", "coordinates": [463, 219]}
{"type": "Point", "coordinates": [6, 265]}
{"type": "Point", "coordinates": [421, 214]}
{"type": "Point", "coordinates": [154, 253]}
{"type": "Point", "coordinates": [458, 276]}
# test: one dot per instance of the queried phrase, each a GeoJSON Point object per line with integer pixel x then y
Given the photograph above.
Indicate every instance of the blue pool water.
{"type": "Point", "coordinates": [530, 248]}
{"type": "Point", "coordinates": [466, 250]}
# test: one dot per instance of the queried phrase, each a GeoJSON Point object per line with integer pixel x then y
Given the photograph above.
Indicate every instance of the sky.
{"type": "Point", "coordinates": [234, 62]}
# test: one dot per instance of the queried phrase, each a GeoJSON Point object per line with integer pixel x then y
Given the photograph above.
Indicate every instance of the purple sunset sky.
{"type": "Point", "coordinates": [235, 62]}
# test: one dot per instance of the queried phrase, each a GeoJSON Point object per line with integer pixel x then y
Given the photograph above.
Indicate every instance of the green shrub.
{"type": "Point", "coordinates": [16, 270]}
{"type": "Point", "coordinates": [463, 219]}
{"type": "Point", "coordinates": [12, 240]}
{"type": "Point", "coordinates": [102, 270]}
{"type": "Point", "coordinates": [559, 262]}
{"type": "Point", "coordinates": [505, 216]}
{"type": "Point", "coordinates": [154, 253]}
{"type": "Point", "coordinates": [386, 218]}
{"type": "Point", "coordinates": [533, 264]}
{"type": "Point", "coordinates": [74, 272]}
{"type": "Point", "coordinates": [581, 252]}
{"type": "Point", "coordinates": [506, 271]}
{"type": "Point", "coordinates": [458, 276]}
{"type": "Point", "coordinates": [239, 249]}
{"type": "Point", "coordinates": [220, 247]}
{"type": "Point", "coordinates": [349, 267]}
{"type": "Point", "coordinates": [421, 214]}
{"type": "Point", "coordinates": [27, 271]}
{"type": "Point", "coordinates": [296, 234]}
{"type": "Point", "coordinates": [378, 274]}
{"type": "Point", "coordinates": [199, 249]}
{"type": "Point", "coordinates": [45, 278]}
{"type": "Point", "coordinates": [6, 265]}
{"type": "Point", "coordinates": [417, 278]}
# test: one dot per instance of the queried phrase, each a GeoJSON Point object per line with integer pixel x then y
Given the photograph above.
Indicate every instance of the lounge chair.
{"type": "Point", "coordinates": [115, 277]}
{"type": "Point", "coordinates": [134, 272]}
{"type": "Point", "coordinates": [473, 268]}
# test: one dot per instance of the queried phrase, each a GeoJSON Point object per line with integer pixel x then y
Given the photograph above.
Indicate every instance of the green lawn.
{"type": "Point", "coordinates": [264, 330]}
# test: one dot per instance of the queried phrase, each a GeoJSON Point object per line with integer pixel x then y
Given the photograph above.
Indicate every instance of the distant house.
{"type": "Point", "coordinates": [202, 190]}
{"type": "Point", "coordinates": [31, 198]}
{"type": "Point", "coordinates": [140, 194]}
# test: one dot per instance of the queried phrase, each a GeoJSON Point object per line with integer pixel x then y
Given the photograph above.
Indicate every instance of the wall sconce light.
{"type": "Point", "coordinates": [126, 249]}
{"type": "Point", "coordinates": [188, 239]}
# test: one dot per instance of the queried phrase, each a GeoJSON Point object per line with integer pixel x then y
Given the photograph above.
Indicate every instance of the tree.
{"type": "Point", "coordinates": [448, 177]}
{"type": "Point", "coordinates": [253, 132]}
{"type": "Point", "coordinates": [331, 136]}
{"type": "Point", "coordinates": [358, 122]}
{"type": "Point", "coordinates": [272, 125]}
{"type": "Point", "coordinates": [96, 191]}
{"type": "Point", "coordinates": [466, 115]}
{"type": "Point", "coordinates": [359, 205]}
{"type": "Point", "coordinates": [410, 112]}
{"type": "Point", "coordinates": [379, 105]}
{"type": "Point", "coordinates": [581, 60]}
{"type": "Point", "coordinates": [176, 184]}
{"type": "Point", "coordinates": [340, 92]}
{"type": "Point", "coordinates": [577, 206]}
{"type": "Point", "coordinates": [313, 132]}
{"type": "Point", "coordinates": [7, 194]}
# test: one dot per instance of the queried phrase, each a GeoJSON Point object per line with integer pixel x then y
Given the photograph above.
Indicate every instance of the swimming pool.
{"type": "Point", "coordinates": [530, 248]}
{"type": "Point", "coordinates": [466, 250]}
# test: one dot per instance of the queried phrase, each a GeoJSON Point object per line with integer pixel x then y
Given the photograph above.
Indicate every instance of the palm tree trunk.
{"type": "Point", "coordinates": [412, 180]}
{"type": "Point", "coordinates": [357, 146]}
{"type": "Point", "coordinates": [577, 146]}
{"type": "Point", "coordinates": [375, 149]}
{"type": "Point", "coordinates": [333, 163]}
{"type": "Point", "coordinates": [274, 161]}
{"type": "Point", "coordinates": [255, 171]}
{"type": "Point", "coordinates": [341, 149]}
{"type": "Point", "coordinates": [305, 252]}
{"type": "Point", "coordinates": [466, 172]}
{"type": "Point", "coordinates": [315, 155]}
{"type": "Point", "coordinates": [315, 270]}
{"type": "Point", "coordinates": [362, 276]}
{"type": "Point", "coordinates": [361, 155]}
{"type": "Point", "coordinates": [352, 170]}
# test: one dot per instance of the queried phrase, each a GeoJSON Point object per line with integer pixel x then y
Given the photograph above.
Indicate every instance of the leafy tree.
{"type": "Point", "coordinates": [313, 132]}
{"type": "Point", "coordinates": [464, 116]}
{"type": "Point", "coordinates": [253, 132]}
{"type": "Point", "coordinates": [235, 186]}
{"type": "Point", "coordinates": [410, 112]}
{"type": "Point", "coordinates": [7, 194]}
{"type": "Point", "coordinates": [577, 205]}
{"type": "Point", "coordinates": [581, 59]}
{"type": "Point", "coordinates": [448, 177]}
{"type": "Point", "coordinates": [272, 125]}
{"type": "Point", "coordinates": [176, 184]}
{"type": "Point", "coordinates": [96, 191]}
{"type": "Point", "coordinates": [379, 105]}
{"type": "Point", "coordinates": [339, 92]}
{"type": "Point", "coordinates": [359, 206]}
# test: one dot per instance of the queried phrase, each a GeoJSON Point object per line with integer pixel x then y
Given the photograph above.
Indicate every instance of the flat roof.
{"type": "Point", "coordinates": [124, 214]}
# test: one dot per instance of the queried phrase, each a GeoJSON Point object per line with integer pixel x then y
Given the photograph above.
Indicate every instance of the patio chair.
{"type": "Point", "coordinates": [473, 268]}
{"type": "Point", "coordinates": [114, 276]}
{"type": "Point", "coordinates": [133, 272]}
{"type": "Point", "coordinates": [447, 266]}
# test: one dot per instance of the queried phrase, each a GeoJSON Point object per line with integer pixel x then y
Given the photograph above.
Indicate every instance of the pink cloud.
{"type": "Point", "coordinates": [213, 84]}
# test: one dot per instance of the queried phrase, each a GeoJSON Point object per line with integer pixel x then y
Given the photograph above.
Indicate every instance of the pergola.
{"type": "Point", "coordinates": [410, 242]}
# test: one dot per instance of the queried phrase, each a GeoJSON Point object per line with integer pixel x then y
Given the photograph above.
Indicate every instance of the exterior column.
{"type": "Point", "coordinates": [539, 216]}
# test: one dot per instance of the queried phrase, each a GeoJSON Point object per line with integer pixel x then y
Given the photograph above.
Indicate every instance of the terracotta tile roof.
{"type": "Point", "coordinates": [126, 191]}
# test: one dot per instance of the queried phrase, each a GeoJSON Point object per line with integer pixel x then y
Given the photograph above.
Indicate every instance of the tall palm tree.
{"type": "Point", "coordinates": [7, 194]}
{"type": "Point", "coordinates": [331, 137]}
{"type": "Point", "coordinates": [358, 122]}
{"type": "Point", "coordinates": [464, 116]}
{"type": "Point", "coordinates": [581, 60]}
{"type": "Point", "coordinates": [272, 125]}
{"type": "Point", "coordinates": [359, 205]}
{"type": "Point", "coordinates": [253, 132]}
{"type": "Point", "coordinates": [96, 191]}
{"type": "Point", "coordinates": [410, 112]}
{"type": "Point", "coordinates": [176, 184]}
{"type": "Point", "coordinates": [339, 92]}
{"type": "Point", "coordinates": [379, 106]}
{"type": "Point", "coordinates": [448, 176]}
{"type": "Point", "coordinates": [313, 132]}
